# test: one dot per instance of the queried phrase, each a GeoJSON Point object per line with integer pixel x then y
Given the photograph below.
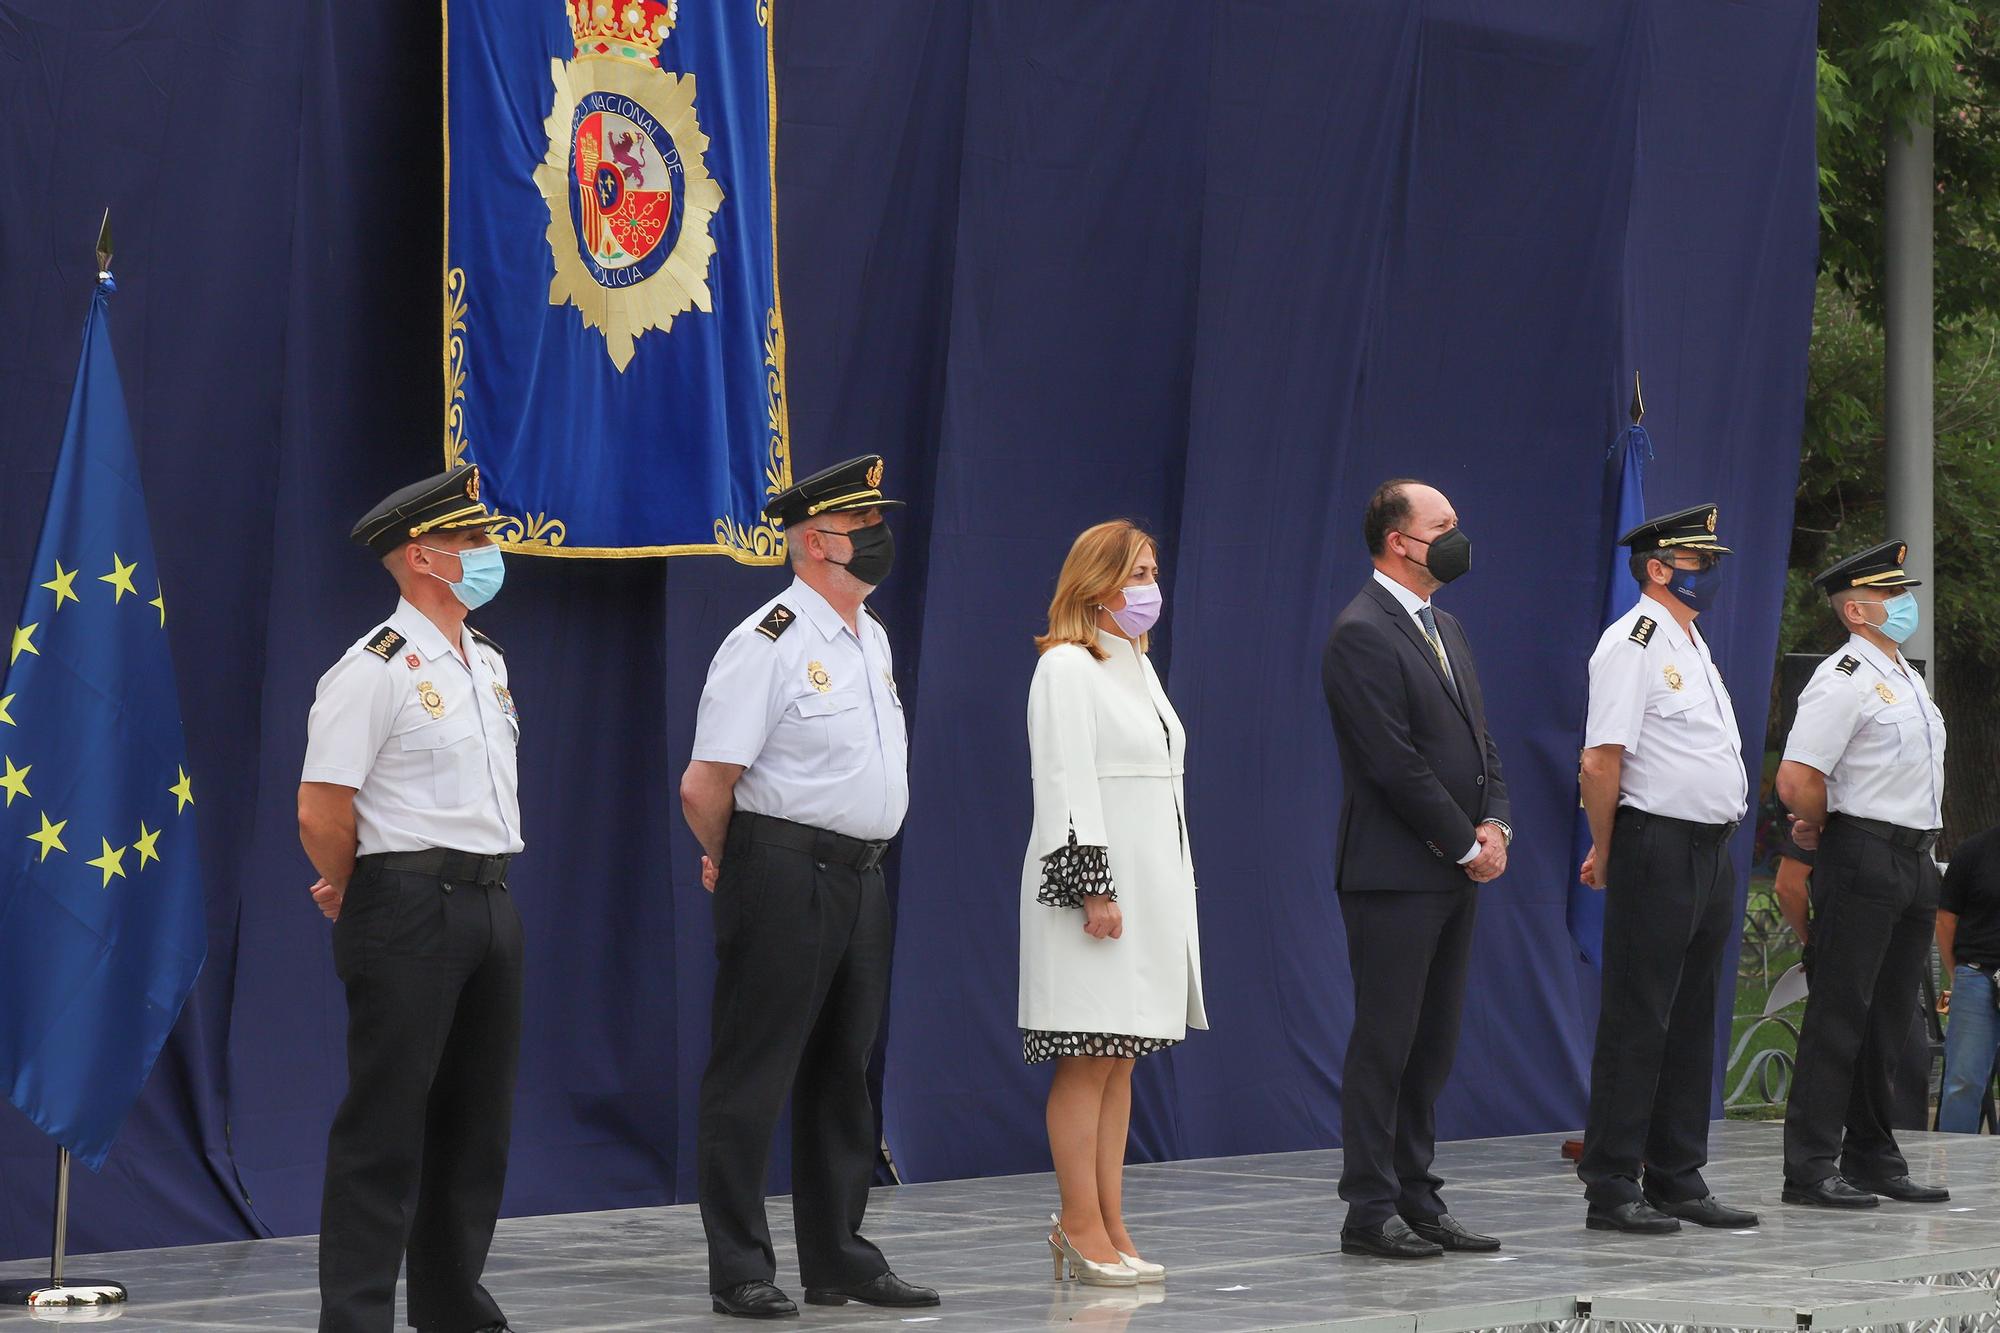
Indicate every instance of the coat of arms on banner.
{"type": "Point", "coordinates": [629, 195]}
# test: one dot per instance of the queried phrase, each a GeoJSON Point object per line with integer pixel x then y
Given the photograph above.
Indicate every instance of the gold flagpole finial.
{"type": "Point", "coordinates": [1638, 401]}
{"type": "Point", "coordinates": [104, 243]}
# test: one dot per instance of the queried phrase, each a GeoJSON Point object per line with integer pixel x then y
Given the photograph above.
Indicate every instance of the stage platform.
{"type": "Point", "coordinates": [1251, 1243]}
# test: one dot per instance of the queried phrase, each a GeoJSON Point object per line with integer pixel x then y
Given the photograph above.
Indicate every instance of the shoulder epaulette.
{"type": "Point", "coordinates": [1642, 631]}
{"type": "Point", "coordinates": [1846, 665]}
{"type": "Point", "coordinates": [384, 643]}
{"type": "Point", "coordinates": [777, 622]}
{"type": "Point", "coordinates": [487, 639]}
{"type": "Point", "coordinates": [875, 615]}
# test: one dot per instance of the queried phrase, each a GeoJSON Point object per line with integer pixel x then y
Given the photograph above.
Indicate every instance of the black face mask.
{"type": "Point", "coordinates": [873, 556]}
{"type": "Point", "coordinates": [1450, 554]}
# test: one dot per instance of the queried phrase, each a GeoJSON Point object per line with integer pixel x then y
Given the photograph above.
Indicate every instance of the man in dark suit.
{"type": "Point", "coordinates": [1423, 822]}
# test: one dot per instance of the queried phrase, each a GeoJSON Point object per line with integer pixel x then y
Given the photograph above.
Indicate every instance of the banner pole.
{"type": "Point", "coordinates": [55, 1294]}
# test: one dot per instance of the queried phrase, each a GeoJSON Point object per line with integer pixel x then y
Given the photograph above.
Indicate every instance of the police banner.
{"type": "Point", "coordinates": [614, 348]}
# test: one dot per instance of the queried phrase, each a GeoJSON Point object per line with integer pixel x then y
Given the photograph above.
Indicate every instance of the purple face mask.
{"type": "Point", "coordinates": [1143, 605]}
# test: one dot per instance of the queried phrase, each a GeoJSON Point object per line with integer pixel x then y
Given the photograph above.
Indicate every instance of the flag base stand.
{"type": "Point", "coordinates": [56, 1294]}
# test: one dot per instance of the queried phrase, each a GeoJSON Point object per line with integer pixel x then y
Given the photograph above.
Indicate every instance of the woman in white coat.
{"type": "Point", "coordinates": [1110, 961]}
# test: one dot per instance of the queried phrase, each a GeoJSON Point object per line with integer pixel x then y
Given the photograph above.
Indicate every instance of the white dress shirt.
{"type": "Point", "coordinates": [1412, 604]}
{"type": "Point", "coordinates": [1655, 691]}
{"type": "Point", "coordinates": [809, 708]}
{"type": "Point", "coordinates": [425, 738]}
{"type": "Point", "coordinates": [1867, 722]}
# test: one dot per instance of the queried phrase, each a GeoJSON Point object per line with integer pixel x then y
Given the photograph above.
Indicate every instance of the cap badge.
{"type": "Point", "coordinates": [1882, 688]}
{"type": "Point", "coordinates": [1711, 521]}
{"type": "Point", "coordinates": [1674, 681]}
{"type": "Point", "coordinates": [875, 475]}
{"type": "Point", "coordinates": [428, 696]}
{"type": "Point", "coordinates": [1901, 551]}
{"type": "Point", "coordinates": [472, 484]}
{"type": "Point", "coordinates": [816, 674]}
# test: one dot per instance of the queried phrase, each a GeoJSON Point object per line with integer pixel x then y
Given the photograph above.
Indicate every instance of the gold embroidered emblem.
{"type": "Point", "coordinates": [472, 484]}
{"type": "Point", "coordinates": [816, 673]}
{"type": "Point", "coordinates": [1711, 520]}
{"type": "Point", "coordinates": [1882, 688]}
{"type": "Point", "coordinates": [875, 475]}
{"type": "Point", "coordinates": [1673, 677]}
{"type": "Point", "coordinates": [432, 701]}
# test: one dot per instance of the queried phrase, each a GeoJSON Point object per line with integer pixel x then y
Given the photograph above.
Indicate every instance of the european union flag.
{"type": "Point", "coordinates": [100, 883]}
{"type": "Point", "coordinates": [1630, 450]}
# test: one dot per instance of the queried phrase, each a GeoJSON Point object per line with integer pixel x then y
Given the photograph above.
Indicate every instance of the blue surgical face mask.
{"type": "Point", "coordinates": [1900, 617]}
{"type": "Point", "coordinates": [1697, 588]}
{"type": "Point", "coordinates": [481, 572]}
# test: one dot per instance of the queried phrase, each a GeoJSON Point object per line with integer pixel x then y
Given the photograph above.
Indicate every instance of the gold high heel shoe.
{"type": "Point", "coordinates": [1147, 1272]}
{"type": "Point", "coordinates": [1068, 1263]}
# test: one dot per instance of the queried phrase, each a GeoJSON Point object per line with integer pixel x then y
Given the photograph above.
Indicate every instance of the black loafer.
{"type": "Point", "coordinates": [1903, 1190]}
{"type": "Point", "coordinates": [1636, 1218]}
{"type": "Point", "coordinates": [1707, 1211]}
{"type": "Point", "coordinates": [1392, 1239]}
{"type": "Point", "coordinates": [1444, 1231]}
{"type": "Point", "coordinates": [1833, 1192]}
{"type": "Point", "coordinates": [887, 1289]}
{"type": "Point", "coordinates": [754, 1300]}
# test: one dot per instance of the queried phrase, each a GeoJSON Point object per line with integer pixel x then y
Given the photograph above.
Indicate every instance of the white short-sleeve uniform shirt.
{"type": "Point", "coordinates": [808, 707]}
{"type": "Point", "coordinates": [426, 739]}
{"type": "Point", "coordinates": [1655, 690]}
{"type": "Point", "coordinates": [1867, 722]}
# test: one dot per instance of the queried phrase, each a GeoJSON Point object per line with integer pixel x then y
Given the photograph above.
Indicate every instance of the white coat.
{"type": "Point", "coordinates": [1105, 766]}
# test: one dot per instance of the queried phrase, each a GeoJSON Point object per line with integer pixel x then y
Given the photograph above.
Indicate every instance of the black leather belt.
{"type": "Point", "coordinates": [818, 843]}
{"type": "Point", "coordinates": [443, 862]}
{"type": "Point", "coordinates": [1700, 832]}
{"type": "Point", "coordinates": [1913, 839]}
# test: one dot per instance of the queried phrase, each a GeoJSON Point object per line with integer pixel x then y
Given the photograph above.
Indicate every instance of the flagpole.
{"type": "Point", "coordinates": [55, 1294]}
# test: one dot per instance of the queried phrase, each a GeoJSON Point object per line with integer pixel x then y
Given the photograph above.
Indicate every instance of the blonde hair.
{"type": "Point", "coordinates": [1098, 563]}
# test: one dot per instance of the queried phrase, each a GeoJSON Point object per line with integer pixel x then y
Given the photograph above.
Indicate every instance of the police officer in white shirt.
{"type": "Point", "coordinates": [407, 809]}
{"type": "Point", "coordinates": [1863, 774]}
{"type": "Point", "coordinates": [1664, 788]}
{"type": "Point", "coordinates": [800, 776]}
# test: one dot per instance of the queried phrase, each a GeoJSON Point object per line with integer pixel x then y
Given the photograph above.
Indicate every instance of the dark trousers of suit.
{"type": "Point", "coordinates": [1667, 917]}
{"type": "Point", "coordinates": [1874, 907]}
{"type": "Point", "coordinates": [417, 1158]}
{"type": "Point", "coordinates": [1408, 952]}
{"type": "Point", "coordinates": [804, 948]}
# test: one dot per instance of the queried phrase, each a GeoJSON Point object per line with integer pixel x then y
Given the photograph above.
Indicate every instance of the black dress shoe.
{"type": "Point", "coordinates": [1635, 1217]}
{"type": "Point", "coordinates": [887, 1289]}
{"type": "Point", "coordinates": [1707, 1211]}
{"type": "Point", "coordinates": [1904, 1190]}
{"type": "Point", "coordinates": [1392, 1239]}
{"type": "Point", "coordinates": [1444, 1231]}
{"type": "Point", "coordinates": [1833, 1192]}
{"type": "Point", "coordinates": [754, 1300]}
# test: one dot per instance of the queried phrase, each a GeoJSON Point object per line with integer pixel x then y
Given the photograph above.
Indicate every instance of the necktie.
{"type": "Point", "coordinates": [1430, 625]}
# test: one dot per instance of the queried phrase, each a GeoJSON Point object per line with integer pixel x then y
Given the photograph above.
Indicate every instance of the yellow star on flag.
{"type": "Point", "coordinates": [183, 791]}
{"type": "Point", "coordinates": [5, 716]}
{"type": "Point", "coordinates": [15, 781]}
{"type": "Point", "coordinates": [147, 840]}
{"type": "Point", "coordinates": [112, 863]}
{"type": "Point", "coordinates": [63, 585]}
{"type": "Point", "coordinates": [24, 642]}
{"type": "Point", "coordinates": [160, 602]}
{"type": "Point", "coordinates": [120, 578]}
{"type": "Point", "coordinates": [50, 837]}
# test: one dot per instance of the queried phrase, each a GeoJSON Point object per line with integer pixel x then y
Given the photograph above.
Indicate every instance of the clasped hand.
{"type": "Point", "coordinates": [1491, 863]}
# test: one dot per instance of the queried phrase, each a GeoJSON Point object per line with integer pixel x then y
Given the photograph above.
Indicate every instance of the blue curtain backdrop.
{"type": "Point", "coordinates": [1218, 266]}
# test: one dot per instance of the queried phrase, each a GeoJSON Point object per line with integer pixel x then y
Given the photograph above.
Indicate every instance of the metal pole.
{"type": "Point", "coordinates": [1910, 188]}
{"type": "Point", "coordinates": [56, 1294]}
{"type": "Point", "coordinates": [62, 1218]}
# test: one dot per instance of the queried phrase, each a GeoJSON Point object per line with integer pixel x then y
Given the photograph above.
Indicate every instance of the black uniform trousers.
{"type": "Point", "coordinates": [803, 944]}
{"type": "Point", "coordinates": [418, 1153]}
{"type": "Point", "coordinates": [1668, 910]}
{"type": "Point", "coordinates": [1408, 952]}
{"type": "Point", "coordinates": [1874, 906]}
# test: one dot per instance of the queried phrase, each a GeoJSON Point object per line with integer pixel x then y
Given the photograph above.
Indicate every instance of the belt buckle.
{"type": "Point", "coordinates": [871, 857]}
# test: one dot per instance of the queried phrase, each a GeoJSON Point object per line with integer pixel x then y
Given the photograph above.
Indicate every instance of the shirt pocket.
{"type": "Point", "coordinates": [839, 728]}
{"type": "Point", "coordinates": [1906, 723]}
{"type": "Point", "coordinates": [452, 744]}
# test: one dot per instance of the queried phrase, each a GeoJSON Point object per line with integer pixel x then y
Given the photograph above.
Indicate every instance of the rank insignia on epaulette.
{"type": "Point", "coordinates": [385, 643]}
{"type": "Point", "coordinates": [1642, 631]}
{"type": "Point", "coordinates": [776, 623]}
{"type": "Point", "coordinates": [1846, 665]}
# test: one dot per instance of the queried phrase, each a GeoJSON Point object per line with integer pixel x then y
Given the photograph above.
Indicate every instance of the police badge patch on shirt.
{"type": "Point", "coordinates": [506, 698]}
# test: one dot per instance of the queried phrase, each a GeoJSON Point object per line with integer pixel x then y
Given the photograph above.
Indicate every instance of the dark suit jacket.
{"type": "Point", "coordinates": [1418, 765]}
